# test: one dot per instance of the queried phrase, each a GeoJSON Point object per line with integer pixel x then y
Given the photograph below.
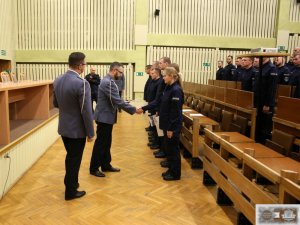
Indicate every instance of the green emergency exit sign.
{"type": "Point", "coordinates": [139, 74]}
{"type": "Point", "coordinates": [206, 64]}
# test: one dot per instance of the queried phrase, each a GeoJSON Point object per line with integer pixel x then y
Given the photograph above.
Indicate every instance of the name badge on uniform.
{"type": "Point", "coordinates": [273, 74]}
{"type": "Point", "coordinates": [175, 99]}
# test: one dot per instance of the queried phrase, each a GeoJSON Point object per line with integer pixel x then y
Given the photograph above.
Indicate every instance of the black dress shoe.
{"type": "Point", "coordinates": [156, 152]}
{"type": "Point", "coordinates": [77, 185]}
{"type": "Point", "coordinates": [165, 173]}
{"type": "Point", "coordinates": [154, 146]}
{"type": "Point", "coordinates": [164, 164]}
{"type": "Point", "coordinates": [160, 155]}
{"type": "Point", "coordinates": [111, 169]}
{"type": "Point", "coordinates": [78, 194]}
{"type": "Point", "coordinates": [97, 173]}
{"type": "Point", "coordinates": [169, 177]}
{"type": "Point", "coordinates": [148, 128]}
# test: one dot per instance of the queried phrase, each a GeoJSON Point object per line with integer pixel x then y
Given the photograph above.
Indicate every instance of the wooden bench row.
{"type": "Point", "coordinates": [236, 164]}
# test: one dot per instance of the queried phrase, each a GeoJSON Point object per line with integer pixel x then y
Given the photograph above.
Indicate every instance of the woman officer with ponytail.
{"type": "Point", "coordinates": [170, 121]}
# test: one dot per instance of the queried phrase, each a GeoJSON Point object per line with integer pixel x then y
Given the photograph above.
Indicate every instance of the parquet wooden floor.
{"type": "Point", "coordinates": [137, 195]}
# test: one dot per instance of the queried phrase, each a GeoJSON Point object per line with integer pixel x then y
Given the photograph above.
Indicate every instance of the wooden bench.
{"type": "Point", "coordinates": [236, 184]}
{"type": "Point", "coordinates": [190, 138]}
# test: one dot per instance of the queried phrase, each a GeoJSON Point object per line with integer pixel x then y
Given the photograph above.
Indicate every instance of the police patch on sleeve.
{"type": "Point", "coordinates": [175, 99]}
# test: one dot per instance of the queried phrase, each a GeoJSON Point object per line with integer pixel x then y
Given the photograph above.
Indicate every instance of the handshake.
{"type": "Point", "coordinates": [139, 111]}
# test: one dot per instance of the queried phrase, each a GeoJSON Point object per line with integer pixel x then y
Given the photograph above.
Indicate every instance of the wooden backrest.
{"type": "Point", "coordinates": [206, 109]}
{"type": "Point", "coordinates": [284, 139]}
{"type": "Point", "coordinates": [245, 99]}
{"type": "Point", "coordinates": [210, 82]}
{"type": "Point", "coordinates": [288, 109]}
{"type": "Point", "coordinates": [239, 85]}
{"type": "Point", "coordinates": [227, 118]}
{"type": "Point", "coordinates": [194, 103]}
{"type": "Point", "coordinates": [231, 84]}
{"type": "Point", "coordinates": [217, 82]}
{"type": "Point", "coordinates": [284, 90]}
{"type": "Point", "coordinates": [203, 90]}
{"type": "Point", "coordinates": [211, 91]}
{"type": "Point", "coordinates": [197, 88]}
{"type": "Point", "coordinates": [189, 101]}
{"type": "Point", "coordinates": [223, 83]}
{"type": "Point", "coordinates": [231, 96]}
{"type": "Point", "coordinates": [220, 93]}
{"type": "Point", "coordinates": [200, 106]}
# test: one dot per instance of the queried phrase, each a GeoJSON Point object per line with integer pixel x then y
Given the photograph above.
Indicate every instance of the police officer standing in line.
{"type": "Point", "coordinates": [220, 75]}
{"type": "Point", "coordinates": [238, 70]}
{"type": "Point", "coordinates": [247, 74]}
{"type": "Point", "coordinates": [94, 81]}
{"type": "Point", "coordinates": [229, 68]}
{"type": "Point", "coordinates": [295, 75]}
{"type": "Point", "coordinates": [147, 71]}
{"type": "Point", "coordinates": [265, 90]}
{"type": "Point", "coordinates": [72, 95]}
{"type": "Point", "coordinates": [153, 91]}
{"type": "Point", "coordinates": [170, 121]}
{"type": "Point", "coordinates": [282, 70]}
{"type": "Point", "coordinates": [105, 116]}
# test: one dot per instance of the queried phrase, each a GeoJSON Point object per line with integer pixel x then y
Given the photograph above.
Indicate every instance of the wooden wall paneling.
{"type": "Point", "coordinates": [4, 118]}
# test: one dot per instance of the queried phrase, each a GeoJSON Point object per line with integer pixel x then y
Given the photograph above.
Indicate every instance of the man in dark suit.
{"type": "Point", "coordinates": [72, 95]}
{"type": "Point", "coordinates": [105, 116]}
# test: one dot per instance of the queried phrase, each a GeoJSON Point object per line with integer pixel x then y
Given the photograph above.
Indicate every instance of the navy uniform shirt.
{"type": "Point", "coordinates": [153, 90]}
{"type": "Point", "coordinates": [295, 80]}
{"type": "Point", "coordinates": [229, 72]}
{"type": "Point", "coordinates": [220, 75]}
{"type": "Point", "coordinates": [237, 73]}
{"type": "Point", "coordinates": [170, 116]}
{"type": "Point", "coordinates": [290, 65]}
{"type": "Point", "coordinates": [94, 81]}
{"type": "Point", "coordinates": [247, 77]}
{"type": "Point", "coordinates": [146, 88]}
{"type": "Point", "coordinates": [266, 90]}
{"type": "Point", "coordinates": [283, 75]}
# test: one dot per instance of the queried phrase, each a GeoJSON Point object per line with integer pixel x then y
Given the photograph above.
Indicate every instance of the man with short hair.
{"type": "Point", "coordinates": [94, 81]}
{"type": "Point", "coordinates": [295, 75]}
{"type": "Point", "coordinates": [72, 95]}
{"type": "Point", "coordinates": [220, 74]}
{"type": "Point", "coordinates": [237, 72]}
{"type": "Point", "coordinates": [283, 70]}
{"type": "Point", "coordinates": [248, 73]}
{"type": "Point", "coordinates": [105, 116]}
{"type": "Point", "coordinates": [229, 68]}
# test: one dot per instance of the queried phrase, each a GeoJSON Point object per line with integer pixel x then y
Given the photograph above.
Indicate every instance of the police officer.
{"type": "Point", "coordinates": [229, 68]}
{"type": "Point", "coordinates": [247, 74]}
{"type": "Point", "coordinates": [295, 75]}
{"type": "Point", "coordinates": [153, 91]}
{"type": "Point", "coordinates": [237, 72]}
{"type": "Point", "coordinates": [220, 75]}
{"type": "Point", "coordinates": [265, 90]}
{"type": "Point", "coordinates": [94, 81]}
{"type": "Point", "coordinates": [282, 70]}
{"type": "Point", "coordinates": [170, 121]}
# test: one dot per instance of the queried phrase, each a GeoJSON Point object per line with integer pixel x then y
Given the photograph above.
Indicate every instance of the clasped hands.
{"type": "Point", "coordinates": [139, 111]}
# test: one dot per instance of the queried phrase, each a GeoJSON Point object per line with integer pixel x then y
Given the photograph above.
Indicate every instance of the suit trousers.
{"type": "Point", "coordinates": [74, 148]}
{"type": "Point", "coordinates": [101, 156]}
{"type": "Point", "coordinates": [173, 154]}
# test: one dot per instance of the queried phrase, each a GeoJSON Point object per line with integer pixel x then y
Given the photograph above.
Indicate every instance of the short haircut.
{"type": "Point", "coordinates": [221, 61]}
{"type": "Point", "coordinates": [175, 66]}
{"type": "Point", "coordinates": [155, 64]}
{"type": "Point", "coordinates": [166, 60]}
{"type": "Point", "coordinates": [239, 57]}
{"type": "Point", "coordinates": [76, 58]}
{"type": "Point", "coordinates": [230, 56]}
{"type": "Point", "coordinates": [157, 70]}
{"type": "Point", "coordinates": [148, 67]}
{"type": "Point", "coordinates": [114, 65]}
